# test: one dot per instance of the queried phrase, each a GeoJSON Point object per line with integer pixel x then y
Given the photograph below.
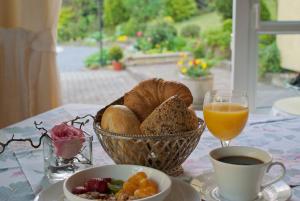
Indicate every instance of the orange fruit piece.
{"type": "Point", "coordinates": [144, 192]}
{"type": "Point", "coordinates": [129, 188]}
{"type": "Point", "coordinates": [136, 178]}
{"type": "Point", "coordinates": [148, 182]}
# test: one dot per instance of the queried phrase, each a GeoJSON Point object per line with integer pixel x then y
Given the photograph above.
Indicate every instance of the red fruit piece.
{"type": "Point", "coordinates": [96, 184]}
{"type": "Point", "coordinates": [103, 187]}
{"type": "Point", "coordinates": [79, 190]}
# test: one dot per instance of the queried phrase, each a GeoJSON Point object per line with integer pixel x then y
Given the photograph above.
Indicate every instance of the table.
{"type": "Point", "coordinates": [21, 167]}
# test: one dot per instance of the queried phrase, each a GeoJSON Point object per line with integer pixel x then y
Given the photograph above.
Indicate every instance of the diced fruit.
{"type": "Point", "coordinates": [79, 190]}
{"type": "Point", "coordinates": [148, 182]}
{"type": "Point", "coordinates": [144, 192]}
{"type": "Point", "coordinates": [141, 175]}
{"type": "Point", "coordinates": [129, 188]}
{"type": "Point", "coordinates": [103, 187]}
{"type": "Point", "coordinates": [151, 189]}
{"type": "Point", "coordinates": [96, 184]}
{"type": "Point", "coordinates": [137, 178]}
{"type": "Point", "coordinates": [138, 185]}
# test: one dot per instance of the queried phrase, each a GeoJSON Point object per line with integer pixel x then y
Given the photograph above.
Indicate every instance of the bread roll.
{"type": "Point", "coordinates": [172, 116]}
{"type": "Point", "coordinates": [149, 94]}
{"type": "Point", "coordinates": [120, 119]}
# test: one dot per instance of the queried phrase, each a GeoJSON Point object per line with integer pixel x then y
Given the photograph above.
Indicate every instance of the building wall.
{"type": "Point", "coordinates": [289, 45]}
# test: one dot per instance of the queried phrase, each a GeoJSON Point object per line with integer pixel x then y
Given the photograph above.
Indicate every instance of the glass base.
{"type": "Point", "coordinates": [225, 143]}
{"type": "Point", "coordinates": [57, 168]}
{"type": "Point", "coordinates": [58, 173]}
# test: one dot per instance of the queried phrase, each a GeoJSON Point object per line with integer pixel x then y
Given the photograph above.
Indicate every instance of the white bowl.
{"type": "Point", "coordinates": [122, 172]}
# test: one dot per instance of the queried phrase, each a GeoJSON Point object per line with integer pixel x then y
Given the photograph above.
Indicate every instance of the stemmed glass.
{"type": "Point", "coordinates": [225, 113]}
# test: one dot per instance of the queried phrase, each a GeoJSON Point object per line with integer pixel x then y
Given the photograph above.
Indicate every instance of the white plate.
{"type": "Point", "coordinates": [206, 185]}
{"type": "Point", "coordinates": [180, 191]}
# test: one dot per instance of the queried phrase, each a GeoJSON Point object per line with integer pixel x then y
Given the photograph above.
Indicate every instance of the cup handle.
{"type": "Point", "coordinates": [279, 177]}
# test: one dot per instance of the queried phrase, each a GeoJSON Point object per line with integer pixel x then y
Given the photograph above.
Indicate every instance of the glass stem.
{"type": "Point", "coordinates": [225, 143]}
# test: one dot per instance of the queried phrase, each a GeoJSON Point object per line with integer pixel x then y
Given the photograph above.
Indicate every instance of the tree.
{"type": "Point", "coordinates": [77, 19]}
{"type": "Point", "coordinates": [114, 12]}
{"type": "Point", "coordinates": [143, 10]}
{"type": "Point", "coordinates": [180, 9]}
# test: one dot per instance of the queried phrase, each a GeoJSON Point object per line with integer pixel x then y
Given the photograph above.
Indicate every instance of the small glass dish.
{"type": "Point", "coordinates": [57, 168]}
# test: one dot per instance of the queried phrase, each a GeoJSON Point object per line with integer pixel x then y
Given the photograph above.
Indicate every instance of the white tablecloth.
{"type": "Point", "coordinates": [21, 167]}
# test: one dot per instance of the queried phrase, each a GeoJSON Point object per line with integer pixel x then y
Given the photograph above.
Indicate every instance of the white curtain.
{"type": "Point", "coordinates": [29, 82]}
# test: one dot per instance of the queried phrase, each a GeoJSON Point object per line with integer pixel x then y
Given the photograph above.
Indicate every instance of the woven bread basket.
{"type": "Point", "coordinates": [165, 152]}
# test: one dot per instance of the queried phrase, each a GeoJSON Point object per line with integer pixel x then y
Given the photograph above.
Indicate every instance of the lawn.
{"type": "Point", "coordinates": [206, 21]}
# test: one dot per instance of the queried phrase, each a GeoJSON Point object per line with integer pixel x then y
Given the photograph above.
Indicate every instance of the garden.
{"type": "Point", "coordinates": [199, 30]}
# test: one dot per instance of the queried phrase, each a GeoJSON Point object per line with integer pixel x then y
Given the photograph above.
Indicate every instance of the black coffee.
{"type": "Point", "coordinates": [241, 160]}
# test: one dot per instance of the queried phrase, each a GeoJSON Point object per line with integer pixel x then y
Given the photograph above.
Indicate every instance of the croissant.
{"type": "Point", "coordinates": [149, 94]}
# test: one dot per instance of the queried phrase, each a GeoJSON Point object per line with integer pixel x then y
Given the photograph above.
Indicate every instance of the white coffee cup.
{"type": "Point", "coordinates": [242, 182]}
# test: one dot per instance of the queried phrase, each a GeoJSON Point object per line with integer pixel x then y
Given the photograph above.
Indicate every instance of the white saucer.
{"type": "Point", "coordinates": [180, 191]}
{"type": "Point", "coordinates": [205, 184]}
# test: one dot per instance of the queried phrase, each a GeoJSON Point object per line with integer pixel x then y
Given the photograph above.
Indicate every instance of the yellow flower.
{"type": "Point", "coordinates": [157, 45]}
{"type": "Point", "coordinates": [204, 65]}
{"type": "Point", "coordinates": [198, 61]}
{"type": "Point", "coordinates": [122, 38]}
{"type": "Point", "coordinates": [191, 63]}
{"type": "Point", "coordinates": [180, 63]}
{"type": "Point", "coordinates": [183, 70]}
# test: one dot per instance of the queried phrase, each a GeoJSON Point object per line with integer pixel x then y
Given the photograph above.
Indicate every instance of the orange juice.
{"type": "Point", "coordinates": [225, 120]}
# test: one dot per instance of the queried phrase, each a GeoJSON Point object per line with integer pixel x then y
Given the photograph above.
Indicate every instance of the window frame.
{"type": "Point", "coordinates": [246, 28]}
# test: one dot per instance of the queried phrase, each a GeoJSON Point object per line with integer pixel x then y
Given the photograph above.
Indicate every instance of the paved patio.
{"type": "Point", "coordinates": [103, 86]}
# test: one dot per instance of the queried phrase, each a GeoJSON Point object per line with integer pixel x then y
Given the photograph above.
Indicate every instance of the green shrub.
{"type": "Point", "coordinates": [143, 10]}
{"type": "Point", "coordinates": [77, 20]}
{"type": "Point", "coordinates": [95, 61]}
{"type": "Point", "coordinates": [227, 25]}
{"type": "Point", "coordinates": [96, 35]}
{"type": "Point", "coordinates": [218, 40]}
{"type": "Point", "coordinates": [180, 9]}
{"type": "Point", "coordinates": [224, 7]}
{"type": "Point", "coordinates": [160, 36]}
{"type": "Point", "coordinates": [190, 30]}
{"type": "Point", "coordinates": [131, 27]}
{"type": "Point", "coordinates": [177, 44]}
{"type": "Point", "coordinates": [64, 31]}
{"type": "Point", "coordinates": [115, 53]}
{"type": "Point", "coordinates": [143, 44]}
{"type": "Point", "coordinates": [266, 39]}
{"type": "Point", "coordinates": [265, 13]}
{"type": "Point", "coordinates": [199, 51]}
{"type": "Point", "coordinates": [160, 33]}
{"type": "Point", "coordinates": [114, 12]}
{"type": "Point", "coordinates": [269, 59]}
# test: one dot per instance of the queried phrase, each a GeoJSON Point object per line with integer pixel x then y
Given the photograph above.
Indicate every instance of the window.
{"type": "Point", "coordinates": [247, 26]}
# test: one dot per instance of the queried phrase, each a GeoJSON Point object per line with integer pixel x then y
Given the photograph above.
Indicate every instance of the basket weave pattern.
{"type": "Point", "coordinates": [165, 152]}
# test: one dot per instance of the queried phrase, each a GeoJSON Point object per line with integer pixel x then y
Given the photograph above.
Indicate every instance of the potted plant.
{"type": "Point", "coordinates": [115, 55]}
{"type": "Point", "coordinates": [195, 74]}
